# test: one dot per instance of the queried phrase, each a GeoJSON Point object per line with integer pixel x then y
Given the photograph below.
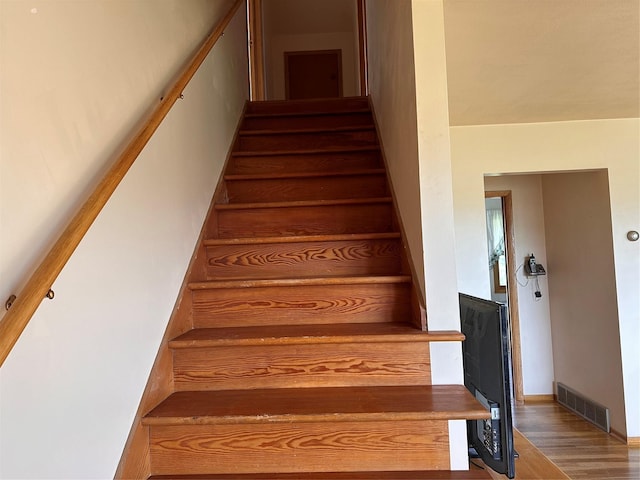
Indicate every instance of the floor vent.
{"type": "Point", "coordinates": [588, 409]}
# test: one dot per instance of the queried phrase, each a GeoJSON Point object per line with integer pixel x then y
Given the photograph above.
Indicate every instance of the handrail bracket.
{"type": "Point", "coordinates": [50, 295]}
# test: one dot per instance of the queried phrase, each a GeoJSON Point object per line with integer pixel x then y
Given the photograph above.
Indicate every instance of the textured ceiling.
{"type": "Point", "coordinates": [519, 61]}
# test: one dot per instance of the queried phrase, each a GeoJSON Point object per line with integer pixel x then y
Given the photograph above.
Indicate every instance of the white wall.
{"type": "Point", "coordinates": [392, 88]}
{"type": "Point", "coordinates": [554, 147]}
{"type": "Point", "coordinates": [535, 319]}
{"type": "Point", "coordinates": [436, 190]}
{"type": "Point", "coordinates": [407, 82]}
{"type": "Point", "coordinates": [75, 77]}
{"type": "Point", "coordinates": [582, 287]}
{"type": "Point", "coordinates": [436, 202]}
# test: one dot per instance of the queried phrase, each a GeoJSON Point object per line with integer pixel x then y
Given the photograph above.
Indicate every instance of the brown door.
{"type": "Point", "coordinates": [313, 74]}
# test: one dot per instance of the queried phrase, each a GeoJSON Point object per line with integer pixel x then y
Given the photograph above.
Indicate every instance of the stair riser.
{"type": "Point", "coordinates": [305, 141]}
{"type": "Point", "coordinates": [287, 366]}
{"type": "Point", "coordinates": [307, 447]}
{"type": "Point", "coordinates": [305, 220]}
{"type": "Point", "coordinates": [278, 260]}
{"type": "Point", "coordinates": [290, 122]}
{"type": "Point", "coordinates": [322, 188]}
{"type": "Point", "coordinates": [304, 163]}
{"type": "Point", "coordinates": [310, 304]}
{"type": "Point", "coordinates": [322, 106]}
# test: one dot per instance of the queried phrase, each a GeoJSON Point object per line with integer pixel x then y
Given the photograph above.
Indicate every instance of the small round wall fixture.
{"type": "Point", "coordinates": [633, 236]}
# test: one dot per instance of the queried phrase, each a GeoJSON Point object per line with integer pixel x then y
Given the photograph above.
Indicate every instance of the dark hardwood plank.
{"type": "Point", "coordinates": [532, 464]}
{"type": "Point", "coordinates": [304, 356]}
{"type": "Point", "coordinates": [314, 333]}
{"type": "Point", "coordinates": [342, 186]}
{"type": "Point", "coordinates": [282, 141]}
{"type": "Point", "coordinates": [302, 365]}
{"type": "Point", "coordinates": [291, 282]}
{"type": "Point", "coordinates": [324, 150]}
{"type": "Point", "coordinates": [398, 475]}
{"type": "Point", "coordinates": [305, 218]}
{"type": "Point", "coordinates": [298, 175]}
{"type": "Point", "coordinates": [256, 122]}
{"type": "Point", "coordinates": [341, 202]}
{"type": "Point", "coordinates": [316, 301]}
{"type": "Point", "coordinates": [405, 403]}
{"type": "Point", "coordinates": [303, 238]}
{"type": "Point", "coordinates": [373, 256]}
{"type": "Point", "coordinates": [319, 162]}
{"type": "Point", "coordinates": [296, 128]}
{"type": "Point", "coordinates": [300, 447]}
{"type": "Point", "coordinates": [326, 105]}
{"type": "Point", "coordinates": [578, 448]}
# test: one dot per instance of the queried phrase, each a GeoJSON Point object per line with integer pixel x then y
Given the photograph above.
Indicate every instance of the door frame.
{"type": "Point", "coordinates": [512, 290]}
{"type": "Point", "coordinates": [362, 47]}
{"type": "Point", "coordinates": [256, 50]}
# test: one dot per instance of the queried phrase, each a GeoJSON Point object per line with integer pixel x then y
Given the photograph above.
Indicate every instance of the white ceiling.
{"type": "Point", "coordinates": [516, 61]}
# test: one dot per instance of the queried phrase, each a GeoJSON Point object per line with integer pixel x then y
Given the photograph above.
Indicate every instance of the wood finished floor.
{"type": "Point", "coordinates": [579, 449]}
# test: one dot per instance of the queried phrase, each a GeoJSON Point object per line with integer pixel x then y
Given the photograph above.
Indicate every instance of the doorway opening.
{"type": "Point", "coordinates": [502, 272]}
{"type": "Point", "coordinates": [278, 27]}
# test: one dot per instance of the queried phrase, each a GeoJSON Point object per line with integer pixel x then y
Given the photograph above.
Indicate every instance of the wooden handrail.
{"type": "Point", "coordinates": [35, 288]}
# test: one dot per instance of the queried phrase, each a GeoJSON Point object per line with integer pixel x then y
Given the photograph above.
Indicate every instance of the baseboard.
{"type": "Point", "coordinates": [549, 398]}
{"type": "Point", "coordinates": [633, 441]}
{"type": "Point", "coordinates": [630, 441]}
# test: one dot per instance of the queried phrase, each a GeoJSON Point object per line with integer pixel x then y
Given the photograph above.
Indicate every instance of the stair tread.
{"type": "Point", "coordinates": [301, 239]}
{"type": "Point", "coordinates": [323, 404]}
{"type": "Point", "coordinates": [313, 162]}
{"type": "Point", "coordinates": [308, 113]}
{"type": "Point", "coordinates": [306, 151]}
{"type": "Point", "coordinates": [397, 475]}
{"type": "Point", "coordinates": [285, 282]}
{"type": "Point", "coordinates": [287, 131]}
{"type": "Point", "coordinates": [297, 175]}
{"type": "Point", "coordinates": [312, 106]}
{"type": "Point", "coordinates": [301, 203]}
{"type": "Point", "coordinates": [310, 333]}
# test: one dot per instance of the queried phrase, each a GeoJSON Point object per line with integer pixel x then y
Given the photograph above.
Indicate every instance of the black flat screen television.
{"type": "Point", "coordinates": [488, 376]}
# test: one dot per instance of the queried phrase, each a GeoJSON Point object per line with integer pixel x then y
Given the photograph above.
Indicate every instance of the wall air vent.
{"type": "Point", "coordinates": [588, 409]}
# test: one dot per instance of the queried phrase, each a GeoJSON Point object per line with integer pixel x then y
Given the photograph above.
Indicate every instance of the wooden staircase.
{"type": "Point", "coordinates": [307, 354]}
